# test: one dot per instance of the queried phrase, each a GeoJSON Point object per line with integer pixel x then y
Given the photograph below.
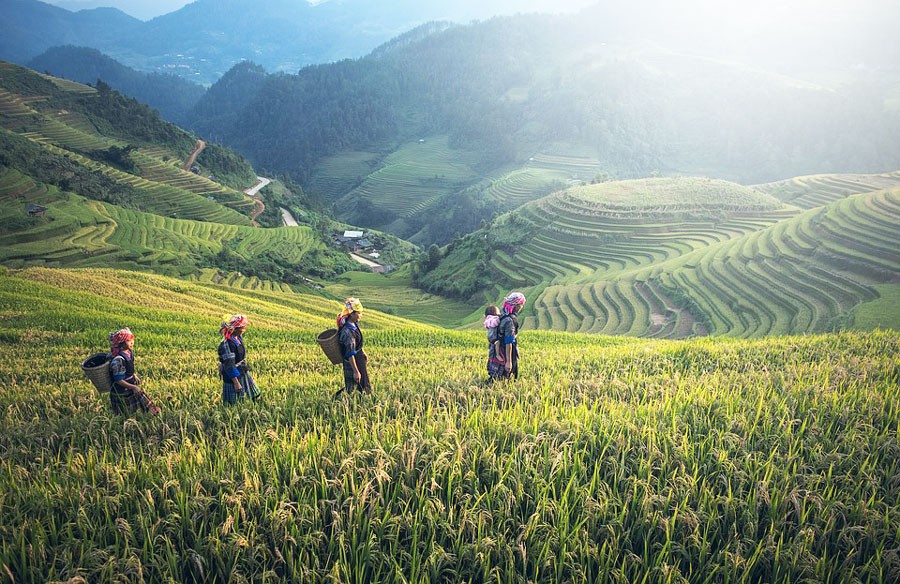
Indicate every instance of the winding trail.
{"type": "Point", "coordinates": [253, 193]}
{"type": "Point", "coordinates": [193, 157]}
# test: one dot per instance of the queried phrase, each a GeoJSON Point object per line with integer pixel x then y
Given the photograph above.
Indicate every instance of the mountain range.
{"type": "Point", "coordinates": [204, 39]}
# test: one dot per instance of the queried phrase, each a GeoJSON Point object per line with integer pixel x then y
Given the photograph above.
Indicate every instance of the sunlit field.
{"type": "Point", "coordinates": [611, 459]}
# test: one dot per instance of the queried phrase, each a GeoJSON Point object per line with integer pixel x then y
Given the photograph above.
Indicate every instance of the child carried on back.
{"type": "Point", "coordinates": [495, 356]}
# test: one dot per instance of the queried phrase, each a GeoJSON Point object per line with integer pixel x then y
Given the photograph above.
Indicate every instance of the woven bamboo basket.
{"type": "Point", "coordinates": [96, 369]}
{"type": "Point", "coordinates": [331, 345]}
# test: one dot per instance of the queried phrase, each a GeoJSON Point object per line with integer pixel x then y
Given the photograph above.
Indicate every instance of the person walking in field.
{"type": "Point", "coordinates": [495, 358]}
{"type": "Point", "coordinates": [507, 332]}
{"type": "Point", "coordinates": [126, 396]}
{"type": "Point", "coordinates": [355, 360]}
{"type": "Point", "coordinates": [237, 382]}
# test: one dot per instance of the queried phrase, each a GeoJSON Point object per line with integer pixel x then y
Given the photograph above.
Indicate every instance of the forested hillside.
{"type": "Point", "coordinates": [172, 96]}
{"type": "Point", "coordinates": [511, 93]}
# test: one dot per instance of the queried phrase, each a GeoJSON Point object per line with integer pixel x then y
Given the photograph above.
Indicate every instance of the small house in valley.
{"type": "Point", "coordinates": [35, 210]}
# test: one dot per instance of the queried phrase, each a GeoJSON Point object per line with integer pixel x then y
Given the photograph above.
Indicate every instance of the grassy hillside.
{"type": "Point", "coordinates": [675, 258]}
{"type": "Point", "coordinates": [395, 294]}
{"type": "Point", "coordinates": [79, 232]}
{"type": "Point", "coordinates": [112, 177]}
{"type": "Point", "coordinates": [68, 134]}
{"type": "Point", "coordinates": [610, 460]}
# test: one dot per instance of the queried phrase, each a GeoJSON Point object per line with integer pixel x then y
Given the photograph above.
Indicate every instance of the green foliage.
{"type": "Point", "coordinates": [115, 115]}
{"type": "Point", "coordinates": [116, 157]}
{"type": "Point", "coordinates": [65, 172]}
{"type": "Point", "coordinates": [228, 167]}
{"type": "Point", "coordinates": [731, 460]}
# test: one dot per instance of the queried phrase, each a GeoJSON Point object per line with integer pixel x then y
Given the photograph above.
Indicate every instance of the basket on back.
{"type": "Point", "coordinates": [96, 368]}
{"type": "Point", "coordinates": [331, 345]}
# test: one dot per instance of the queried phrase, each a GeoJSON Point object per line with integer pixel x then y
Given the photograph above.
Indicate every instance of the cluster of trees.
{"type": "Point", "coordinates": [63, 172]}
{"type": "Point", "coordinates": [464, 268]}
{"type": "Point", "coordinates": [229, 167]}
{"type": "Point", "coordinates": [115, 156]}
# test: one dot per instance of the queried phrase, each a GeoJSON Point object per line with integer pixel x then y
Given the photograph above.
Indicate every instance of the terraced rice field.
{"type": "Point", "coordinates": [165, 189]}
{"type": "Point", "coordinates": [522, 185]}
{"type": "Point", "coordinates": [808, 192]}
{"type": "Point", "coordinates": [581, 168]}
{"type": "Point", "coordinates": [338, 175]}
{"type": "Point", "coordinates": [414, 177]}
{"type": "Point", "coordinates": [162, 198]}
{"type": "Point", "coordinates": [80, 232]}
{"type": "Point", "coordinates": [808, 273]}
{"type": "Point", "coordinates": [154, 169]}
{"type": "Point", "coordinates": [579, 236]}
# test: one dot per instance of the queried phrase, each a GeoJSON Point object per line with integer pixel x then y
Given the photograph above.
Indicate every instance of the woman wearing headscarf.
{"type": "Point", "coordinates": [237, 383]}
{"type": "Point", "coordinates": [356, 375]}
{"type": "Point", "coordinates": [125, 396]}
{"type": "Point", "coordinates": [507, 331]}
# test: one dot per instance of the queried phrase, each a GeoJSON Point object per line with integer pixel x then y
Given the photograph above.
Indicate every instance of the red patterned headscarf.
{"type": "Point", "coordinates": [512, 302]}
{"type": "Point", "coordinates": [118, 338]}
{"type": "Point", "coordinates": [233, 322]}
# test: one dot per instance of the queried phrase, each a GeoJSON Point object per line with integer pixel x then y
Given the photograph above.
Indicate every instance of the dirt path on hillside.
{"type": "Point", "coordinates": [253, 192]}
{"type": "Point", "coordinates": [193, 157]}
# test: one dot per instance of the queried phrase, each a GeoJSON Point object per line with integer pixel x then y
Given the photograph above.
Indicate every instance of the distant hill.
{"type": "Point", "coordinates": [171, 95]}
{"type": "Point", "coordinates": [219, 107]}
{"type": "Point", "coordinates": [31, 27]}
{"type": "Point", "coordinates": [684, 257]}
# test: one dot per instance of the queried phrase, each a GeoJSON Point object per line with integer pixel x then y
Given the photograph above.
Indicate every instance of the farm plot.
{"type": "Point", "coordinates": [805, 274]}
{"type": "Point", "coordinates": [160, 198]}
{"type": "Point", "coordinates": [523, 185]}
{"type": "Point", "coordinates": [415, 176]}
{"type": "Point", "coordinates": [337, 175]}
{"type": "Point", "coordinates": [154, 169]}
{"type": "Point", "coordinates": [580, 238]}
{"type": "Point", "coordinates": [76, 232]}
{"type": "Point", "coordinates": [580, 168]}
{"type": "Point", "coordinates": [808, 192]}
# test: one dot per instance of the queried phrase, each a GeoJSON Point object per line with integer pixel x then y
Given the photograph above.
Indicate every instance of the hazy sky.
{"type": "Point", "coordinates": [147, 9]}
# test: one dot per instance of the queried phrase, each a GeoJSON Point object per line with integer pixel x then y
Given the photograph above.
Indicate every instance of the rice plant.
{"type": "Point", "coordinates": [609, 460]}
